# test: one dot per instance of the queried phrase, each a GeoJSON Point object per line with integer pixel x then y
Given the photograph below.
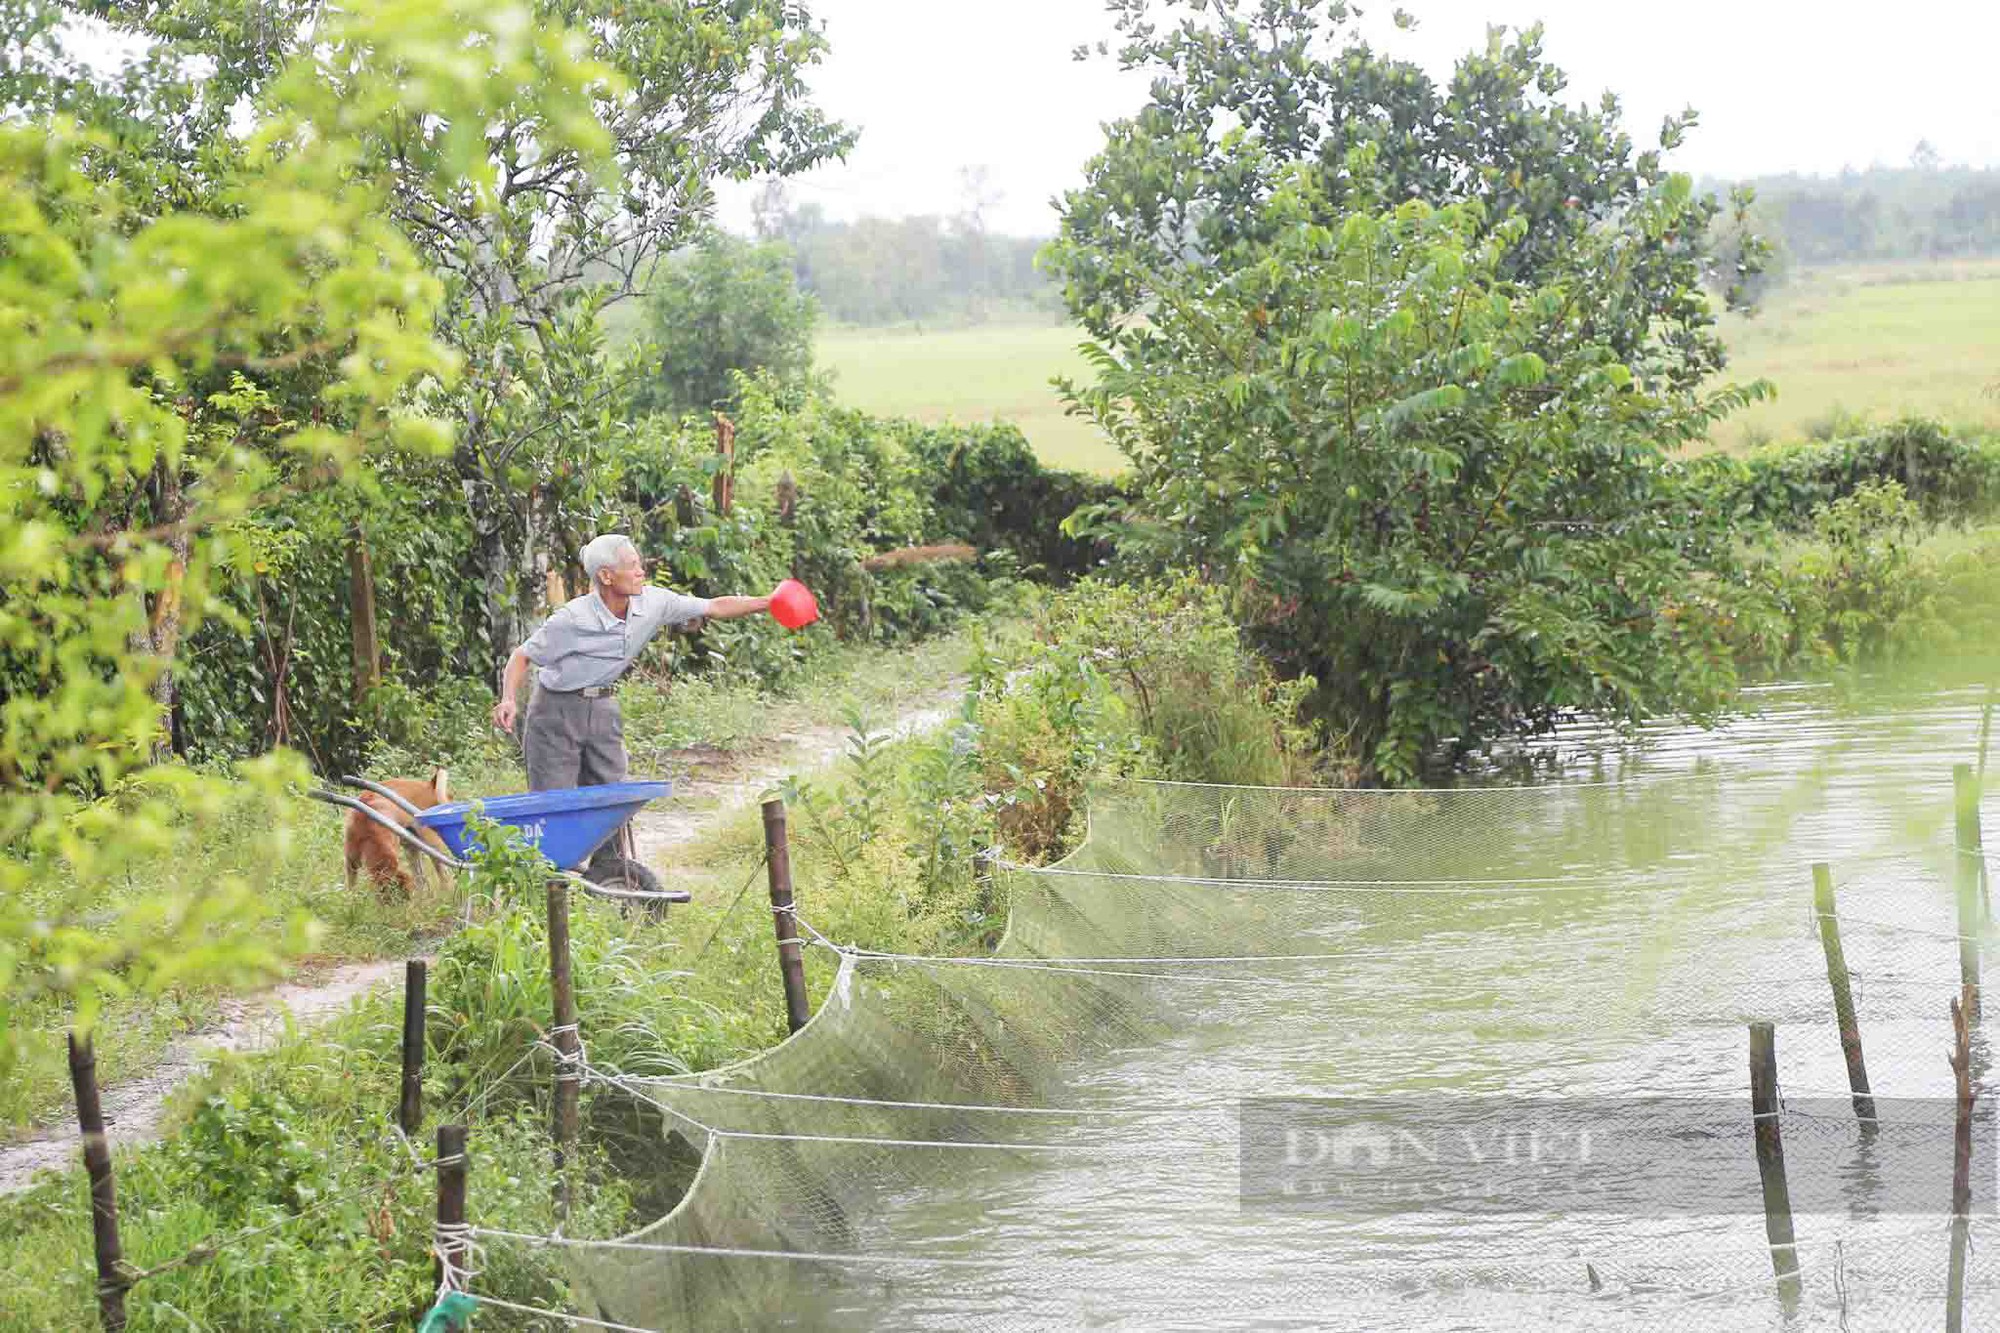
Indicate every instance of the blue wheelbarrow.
{"type": "Point", "coordinates": [567, 827]}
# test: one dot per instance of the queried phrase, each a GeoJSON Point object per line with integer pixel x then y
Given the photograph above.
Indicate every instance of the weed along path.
{"type": "Point", "coordinates": [135, 1109]}
{"type": "Point", "coordinates": [713, 785]}
{"type": "Point", "coordinates": [720, 783]}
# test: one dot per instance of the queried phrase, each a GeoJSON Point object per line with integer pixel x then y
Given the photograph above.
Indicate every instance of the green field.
{"type": "Point", "coordinates": [1870, 343]}
{"type": "Point", "coordinates": [971, 375]}
{"type": "Point", "coordinates": [1855, 344]}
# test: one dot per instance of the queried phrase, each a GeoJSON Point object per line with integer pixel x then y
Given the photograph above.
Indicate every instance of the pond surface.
{"type": "Point", "coordinates": [1520, 1059]}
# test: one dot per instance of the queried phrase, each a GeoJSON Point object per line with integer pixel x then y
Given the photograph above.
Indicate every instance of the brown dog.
{"type": "Point", "coordinates": [373, 848]}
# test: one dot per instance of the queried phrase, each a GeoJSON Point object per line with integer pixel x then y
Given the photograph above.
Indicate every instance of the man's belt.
{"type": "Point", "coordinates": [598, 691]}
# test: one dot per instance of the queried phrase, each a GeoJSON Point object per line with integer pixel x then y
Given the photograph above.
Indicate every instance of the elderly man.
{"type": "Point", "coordinates": [573, 736]}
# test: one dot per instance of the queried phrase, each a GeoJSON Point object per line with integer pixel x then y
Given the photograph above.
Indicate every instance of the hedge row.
{"type": "Point", "coordinates": [1953, 478]}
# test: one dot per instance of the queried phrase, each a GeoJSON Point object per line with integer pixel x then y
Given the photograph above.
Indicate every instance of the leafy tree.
{"type": "Point", "coordinates": [1248, 92]}
{"type": "Point", "coordinates": [1751, 258]}
{"type": "Point", "coordinates": [694, 92]}
{"type": "Point", "coordinates": [730, 306]}
{"type": "Point", "coordinates": [113, 305]}
{"type": "Point", "coordinates": [1400, 362]}
{"type": "Point", "coordinates": [1424, 448]}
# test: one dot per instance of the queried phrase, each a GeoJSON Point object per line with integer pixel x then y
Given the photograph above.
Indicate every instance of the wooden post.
{"type": "Point", "coordinates": [1771, 1161]}
{"type": "Point", "coordinates": [1961, 1167]}
{"type": "Point", "coordinates": [361, 597]}
{"type": "Point", "coordinates": [103, 1190]}
{"type": "Point", "coordinates": [1965, 795]}
{"type": "Point", "coordinates": [1843, 996]}
{"type": "Point", "coordinates": [725, 465]}
{"type": "Point", "coordinates": [564, 1036]}
{"type": "Point", "coordinates": [451, 1171]}
{"type": "Point", "coordinates": [791, 954]}
{"type": "Point", "coordinates": [410, 1110]}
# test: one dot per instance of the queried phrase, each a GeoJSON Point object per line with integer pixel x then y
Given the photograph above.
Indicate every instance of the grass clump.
{"type": "Point", "coordinates": [1905, 339]}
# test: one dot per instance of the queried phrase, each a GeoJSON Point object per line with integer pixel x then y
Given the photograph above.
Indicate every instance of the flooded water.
{"type": "Point", "coordinates": [1521, 1104]}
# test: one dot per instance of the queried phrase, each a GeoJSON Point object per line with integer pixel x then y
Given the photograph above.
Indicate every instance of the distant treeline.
{"type": "Point", "coordinates": [1923, 211]}
{"type": "Point", "coordinates": [878, 270]}
{"type": "Point", "coordinates": [913, 269]}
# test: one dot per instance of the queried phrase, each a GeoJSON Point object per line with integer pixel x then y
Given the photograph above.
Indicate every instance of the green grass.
{"type": "Point", "coordinates": [1847, 346]}
{"type": "Point", "coordinates": [972, 375]}
{"type": "Point", "coordinates": [1844, 346]}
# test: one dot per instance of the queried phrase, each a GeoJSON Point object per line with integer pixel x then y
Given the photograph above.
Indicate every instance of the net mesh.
{"type": "Point", "coordinates": [1055, 1135]}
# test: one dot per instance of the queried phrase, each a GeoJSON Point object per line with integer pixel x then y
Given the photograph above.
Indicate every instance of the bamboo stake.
{"type": "Point", "coordinates": [791, 956]}
{"type": "Point", "coordinates": [367, 651]}
{"type": "Point", "coordinates": [1843, 996]}
{"type": "Point", "coordinates": [451, 1173]}
{"type": "Point", "coordinates": [1771, 1162]}
{"type": "Point", "coordinates": [103, 1189]}
{"type": "Point", "coordinates": [1965, 796]}
{"type": "Point", "coordinates": [1985, 731]}
{"type": "Point", "coordinates": [1968, 819]}
{"type": "Point", "coordinates": [410, 1110]}
{"type": "Point", "coordinates": [724, 489]}
{"type": "Point", "coordinates": [564, 1036]}
{"type": "Point", "coordinates": [1961, 1166]}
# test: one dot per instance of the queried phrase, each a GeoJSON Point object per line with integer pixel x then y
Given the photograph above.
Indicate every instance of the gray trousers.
{"type": "Point", "coordinates": [571, 741]}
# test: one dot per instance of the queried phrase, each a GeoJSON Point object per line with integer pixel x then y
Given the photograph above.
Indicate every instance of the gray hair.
{"type": "Point", "coordinates": [604, 552]}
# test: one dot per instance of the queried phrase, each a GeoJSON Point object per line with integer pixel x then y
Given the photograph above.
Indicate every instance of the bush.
{"type": "Point", "coordinates": [992, 491]}
{"type": "Point", "coordinates": [274, 665]}
{"type": "Point", "coordinates": [1143, 680]}
{"type": "Point", "coordinates": [1951, 478]}
{"type": "Point", "coordinates": [1870, 587]}
{"type": "Point", "coordinates": [1115, 680]}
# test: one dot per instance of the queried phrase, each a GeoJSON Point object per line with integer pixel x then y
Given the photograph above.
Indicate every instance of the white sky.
{"type": "Point", "coordinates": [939, 85]}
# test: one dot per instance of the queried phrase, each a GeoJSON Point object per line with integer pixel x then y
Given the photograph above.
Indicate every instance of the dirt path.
{"type": "Point", "coordinates": [135, 1108]}
{"type": "Point", "coordinates": [716, 785]}
{"type": "Point", "coordinates": [720, 783]}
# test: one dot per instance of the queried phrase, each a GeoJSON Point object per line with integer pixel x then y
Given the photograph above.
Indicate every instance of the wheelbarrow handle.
{"type": "Point", "coordinates": [625, 895]}
{"type": "Point", "coordinates": [348, 779]}
{"type": "Point", "coordinates": [349, 803]}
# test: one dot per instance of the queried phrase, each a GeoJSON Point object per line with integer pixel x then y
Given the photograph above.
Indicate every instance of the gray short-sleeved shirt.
{"type": "Point", "coordinates": [583, 644]}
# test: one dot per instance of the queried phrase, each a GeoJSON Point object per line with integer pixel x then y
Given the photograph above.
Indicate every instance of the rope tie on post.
{"type": "Point", "coordinates": [783, 940]}
{"type": "Point", "coordinates": [570, 1064]}
{"type": "Point", "coordinates": [453, 1246]}
{"type": "Point", "coordinates": [783, 910]}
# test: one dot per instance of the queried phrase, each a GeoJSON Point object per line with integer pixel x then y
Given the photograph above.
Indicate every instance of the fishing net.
{"type": "Point", "coordinates": [1100, 1124]}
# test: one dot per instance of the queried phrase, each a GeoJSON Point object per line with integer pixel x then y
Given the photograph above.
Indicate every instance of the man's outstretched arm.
{"type": "Point", "coordinates": [735, 608]}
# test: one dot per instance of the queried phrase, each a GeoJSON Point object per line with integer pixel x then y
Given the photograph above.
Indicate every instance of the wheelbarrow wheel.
{"type": "Point", "coordinates": [629, 876]}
